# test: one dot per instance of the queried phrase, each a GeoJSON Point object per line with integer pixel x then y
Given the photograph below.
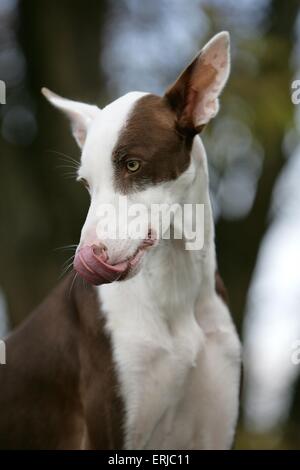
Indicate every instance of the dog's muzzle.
{"type": "Point", "coordinates": [92, 263]}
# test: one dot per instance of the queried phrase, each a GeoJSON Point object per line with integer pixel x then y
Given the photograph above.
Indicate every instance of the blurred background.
{"type": "Point", "coordinates": [97, 50]}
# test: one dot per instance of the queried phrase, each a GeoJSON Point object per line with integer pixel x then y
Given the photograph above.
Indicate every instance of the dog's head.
{"type": "Point", "coordinates": [136, 154]}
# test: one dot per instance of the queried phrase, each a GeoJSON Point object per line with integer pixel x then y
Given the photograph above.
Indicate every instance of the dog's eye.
{"type": "Point", "coordinates": [85, 183]}
{"type": "Point", "coordinates": [133, 165]}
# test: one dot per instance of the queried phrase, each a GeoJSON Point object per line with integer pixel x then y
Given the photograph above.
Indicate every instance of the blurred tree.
{"type": "Point", "coordinates": [292, 434]}
{"type": "Point", "coordinates": [61, 45]}
{"type": "Point", "coordinates": [269, 95]}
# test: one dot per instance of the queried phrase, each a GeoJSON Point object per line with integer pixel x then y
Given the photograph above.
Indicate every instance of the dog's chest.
{"type": "Point", "coordinates": [154, 358]}
{"type": "Point", "coordinates": [154, 366]}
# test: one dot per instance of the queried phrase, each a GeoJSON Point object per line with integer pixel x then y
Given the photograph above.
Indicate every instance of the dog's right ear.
{"type": "Point", "coordinates": [80, 114]}
{"type": "Point", "coordinates": [195, 94]}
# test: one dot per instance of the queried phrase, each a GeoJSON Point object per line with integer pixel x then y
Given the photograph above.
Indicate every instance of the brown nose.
{"type": "Point", "coordinates": [100, 250]}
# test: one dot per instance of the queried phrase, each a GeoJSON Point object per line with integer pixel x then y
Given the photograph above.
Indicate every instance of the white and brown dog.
{"type": "Point", "coordinates": [145, 356]}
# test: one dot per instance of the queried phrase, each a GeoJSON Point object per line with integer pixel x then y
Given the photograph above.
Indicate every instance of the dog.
{"type": "Point", "coordinates": [139, 350]}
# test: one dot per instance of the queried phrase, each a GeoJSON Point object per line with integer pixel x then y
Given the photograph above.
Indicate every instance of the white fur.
{"type": "Point", "coordinates": [175, 346]}
{"type": "Point", "coordinates": [96, 168]}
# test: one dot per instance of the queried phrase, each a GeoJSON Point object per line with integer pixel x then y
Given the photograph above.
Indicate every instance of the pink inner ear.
{"type": "Point", "coordinates": [206, 110]}
{"type": "Point", "coordinates": [79, 132]}
{"type": "Point", "coordinates": [206, 84]}
{"type": "Point", "coordinates": [194, 96]}
{"type": "Point", "coordinates": [201, 91]}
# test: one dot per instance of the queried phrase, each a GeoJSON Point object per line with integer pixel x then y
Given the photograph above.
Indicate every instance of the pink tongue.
{"type": "Point", "coordinates": [94, 269]}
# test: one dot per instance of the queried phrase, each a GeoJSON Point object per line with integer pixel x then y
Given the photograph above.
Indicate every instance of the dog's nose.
{"type": "Point", "coordinates": [91, 262]}
{"type": "Point", "coordinates": [99, 248]}
{"type": "Point", "coordinates": [100, 251]}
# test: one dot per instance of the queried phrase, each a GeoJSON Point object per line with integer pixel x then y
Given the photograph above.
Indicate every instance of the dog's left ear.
{"type": "Point", "coordinates": [80, 114]}
{"type": "Point", "coordinates": [194, 95]}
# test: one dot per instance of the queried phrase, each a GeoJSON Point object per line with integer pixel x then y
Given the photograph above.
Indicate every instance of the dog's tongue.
{"type": "Point", "coordinates": [92, 266]}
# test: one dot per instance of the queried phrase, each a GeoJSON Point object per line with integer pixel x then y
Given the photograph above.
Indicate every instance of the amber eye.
{"type": "Point", "coordinates": [84, 182]}
{"type": "Point", "coordinates": [133, 165]}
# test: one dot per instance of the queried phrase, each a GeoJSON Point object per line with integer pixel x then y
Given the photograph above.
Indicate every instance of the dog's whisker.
{"type": "Point", "coordinates": [72, 167]}
{"type": "Point", "coordinates": [68, 158]}
{"type": "Point", "coordinates": [73, 282]}
{"type": "Point", "coordinates": [68, 261]}
{"type": "Point", "coordinates": [69, 175]}
{"type": "Point", "coordinates": [66, 247]}
{"type": "Point", "coordinates": [65, 272]}
{"type": "Point", "coordinates": [64, 156]}
{"type": "Point", "coordinates": [67, 164]}
{"type": "Point", "coordinates": [66, 268]}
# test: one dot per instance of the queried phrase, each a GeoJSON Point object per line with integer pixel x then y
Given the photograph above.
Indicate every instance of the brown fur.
{"type": "Point", "coordinates": [58, 389]}
{"type": "Point", "coordinates": [150, 136]}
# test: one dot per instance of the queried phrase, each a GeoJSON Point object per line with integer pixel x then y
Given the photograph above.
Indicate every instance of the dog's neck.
{"type": "Point", "coordinates": [173, 278]}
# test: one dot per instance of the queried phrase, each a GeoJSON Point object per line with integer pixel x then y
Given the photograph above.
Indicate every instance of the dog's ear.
{"type": "Point", "coordinates": [80, 114]}
{"type": "Point", "coordinates": [194, 95]}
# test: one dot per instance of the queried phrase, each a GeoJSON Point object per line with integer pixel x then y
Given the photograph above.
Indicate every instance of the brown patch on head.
{"type": "Point", "coordinates": [150, 137]}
